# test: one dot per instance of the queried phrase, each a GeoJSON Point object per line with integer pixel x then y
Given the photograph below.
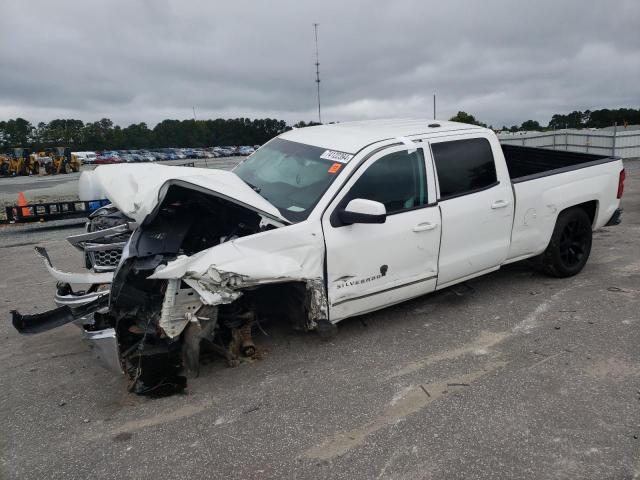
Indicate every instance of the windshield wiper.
{"type": "Point", "coordinates": [253, 187]}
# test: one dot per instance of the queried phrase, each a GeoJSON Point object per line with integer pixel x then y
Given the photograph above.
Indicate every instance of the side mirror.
{"type": "Point", "coordinates": [360, 210]}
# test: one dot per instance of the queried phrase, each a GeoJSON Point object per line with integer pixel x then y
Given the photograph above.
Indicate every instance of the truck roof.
{"type": "Point", "coordinates": [350, 137]}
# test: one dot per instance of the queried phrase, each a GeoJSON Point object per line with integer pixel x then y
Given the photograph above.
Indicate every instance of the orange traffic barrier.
{"type": "Point", "coordinates": [22, 202]}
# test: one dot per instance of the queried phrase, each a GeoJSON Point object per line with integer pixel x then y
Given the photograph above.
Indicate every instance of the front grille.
{"type": "Point", "coordinates": [107, 217]}
{"type": "Point", "coordinates": [105, 258]}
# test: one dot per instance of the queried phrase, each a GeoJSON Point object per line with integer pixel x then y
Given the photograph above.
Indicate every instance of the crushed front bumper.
{"type": "Point", "coordinates": [103, 342]}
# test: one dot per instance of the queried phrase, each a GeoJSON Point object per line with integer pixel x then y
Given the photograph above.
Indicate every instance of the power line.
{"type": "Point", "coordinates": [315, 26]}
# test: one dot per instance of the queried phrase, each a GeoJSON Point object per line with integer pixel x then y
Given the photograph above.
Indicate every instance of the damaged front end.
{"type": "Point", "coordinates": [197, 274]}
{"type": "Point", "coordinates": [107, 231]}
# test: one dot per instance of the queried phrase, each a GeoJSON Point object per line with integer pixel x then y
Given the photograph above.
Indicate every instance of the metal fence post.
{"type": "Point", "coordinates": [613, 148]}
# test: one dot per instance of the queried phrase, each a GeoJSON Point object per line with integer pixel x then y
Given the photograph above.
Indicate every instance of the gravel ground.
{"type": "Point", "coordinates": [515, 375]}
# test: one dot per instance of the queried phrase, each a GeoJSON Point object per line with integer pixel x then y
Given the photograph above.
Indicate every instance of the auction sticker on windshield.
{"type": "Point", "coordinates": [336, 156]}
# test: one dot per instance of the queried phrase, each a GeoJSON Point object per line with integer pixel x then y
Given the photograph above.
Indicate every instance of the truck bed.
{"type": "Point", "coordinates": [527, 163]}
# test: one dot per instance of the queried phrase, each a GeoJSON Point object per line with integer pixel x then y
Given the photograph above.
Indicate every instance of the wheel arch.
{"type": "Point", "coordinates": [590, 208]}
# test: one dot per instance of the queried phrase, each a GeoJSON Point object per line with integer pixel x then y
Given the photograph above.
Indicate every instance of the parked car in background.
{"type": "Point", "coordinates": [85, 157]}
{"type": "Point", "coordinates": [107, 157]}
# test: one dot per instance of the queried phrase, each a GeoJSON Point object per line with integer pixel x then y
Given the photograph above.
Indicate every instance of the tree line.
{"type": "Point", "coordinates": [576, 119]}
{"type": "Point", "coordinates": [104, 135]}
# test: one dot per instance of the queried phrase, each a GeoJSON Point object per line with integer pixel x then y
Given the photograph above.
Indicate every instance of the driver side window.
{"type": "Point", "coordinates": [396, 180]}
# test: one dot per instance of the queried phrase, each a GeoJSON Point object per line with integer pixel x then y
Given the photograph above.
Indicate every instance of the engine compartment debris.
{"type": "Point", "coordinates": [195, 273]}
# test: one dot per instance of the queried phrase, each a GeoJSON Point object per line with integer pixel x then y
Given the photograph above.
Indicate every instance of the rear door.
{"type": "Point", "coordinates": [370, 266]}
{"type": "Point", "coordinates": [476, 201]}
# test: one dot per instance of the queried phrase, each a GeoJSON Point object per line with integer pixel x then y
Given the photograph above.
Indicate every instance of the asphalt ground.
{"type": "Point", "coordinates": [513, 375]}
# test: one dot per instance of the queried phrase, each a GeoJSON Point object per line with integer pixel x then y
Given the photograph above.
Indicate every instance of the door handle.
{"type": "Point", "coordinates": [499, 204]}
{"type": "Point", "coordinates": [423, 227]}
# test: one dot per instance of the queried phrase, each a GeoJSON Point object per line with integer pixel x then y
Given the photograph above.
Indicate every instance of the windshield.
{"type": "Point", "coordinates": [291, 176]}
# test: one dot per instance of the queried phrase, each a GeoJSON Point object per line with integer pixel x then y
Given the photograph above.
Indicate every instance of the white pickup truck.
{"type": "Point", "coordinates": [318, 225]}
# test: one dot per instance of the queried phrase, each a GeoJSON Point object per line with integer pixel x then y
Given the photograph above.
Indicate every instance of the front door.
{"type": "Point", "coordinates": [370, 266]}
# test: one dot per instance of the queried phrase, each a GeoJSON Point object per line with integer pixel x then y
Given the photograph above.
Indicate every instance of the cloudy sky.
{"type": "Point", "coordinates": [146, 60]}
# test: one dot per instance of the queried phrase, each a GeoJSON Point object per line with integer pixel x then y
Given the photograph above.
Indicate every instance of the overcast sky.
{"type": "Point", "coordinates": [147, 60]}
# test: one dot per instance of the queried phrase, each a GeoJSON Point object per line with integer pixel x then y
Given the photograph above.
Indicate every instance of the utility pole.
{"type": "Point", "coordinates": [315, 27]}
{"type": "Point", "coordinates": [194, 113]}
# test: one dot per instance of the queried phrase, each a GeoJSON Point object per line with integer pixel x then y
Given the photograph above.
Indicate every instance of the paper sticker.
{"type": "Point", "coordinates": [335, 167]}
{"type": "Point", "coordinates": [336, 156]}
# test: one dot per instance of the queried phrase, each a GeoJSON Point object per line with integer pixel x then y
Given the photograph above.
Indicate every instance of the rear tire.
{"type": "Point", "coordinates": [570, 245]}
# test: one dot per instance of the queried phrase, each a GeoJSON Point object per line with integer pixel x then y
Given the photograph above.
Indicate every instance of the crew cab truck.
{"type": "Point", "coordinates": [318, 225]}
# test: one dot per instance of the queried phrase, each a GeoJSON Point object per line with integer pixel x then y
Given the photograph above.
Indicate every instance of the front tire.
{"type": "Point", "coordinates": [570, 245]}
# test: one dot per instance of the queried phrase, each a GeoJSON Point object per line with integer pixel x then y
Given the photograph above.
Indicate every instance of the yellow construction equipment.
{"type": "Point", "coordinates": [18, 162]}
{"type": "Point", "coordinates": [4, 165]}
{"type": "Point", "coordinates": [61, 161]}
{"type": "Point", "coordinates": [52, 160]}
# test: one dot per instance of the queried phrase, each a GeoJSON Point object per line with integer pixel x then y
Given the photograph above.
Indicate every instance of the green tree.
{"type": "Point", "coordinates": [464, 117]}
{"type": "Point", "coordinates": [17, 133]}
{"type": "Point", "coordinates": [302, 124]}
{"type": "Point", "coordinates": [530, 125]}
{"type": "Point", "coordinates": [59, 132]}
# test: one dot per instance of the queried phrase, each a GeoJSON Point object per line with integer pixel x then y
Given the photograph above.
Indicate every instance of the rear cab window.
{"type": "Point", "coordinates": [463, 166]}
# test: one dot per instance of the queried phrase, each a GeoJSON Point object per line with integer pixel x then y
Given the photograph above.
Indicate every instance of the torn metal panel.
{"type": "Point", "coordinates": [69, 277]}
{"type": "Point", "coordinates": [291, 253]}
{"type": "Point", "coordinates": [178, 308]}
{"type": "Point", "coordinates": [104, 345]}
{"type": "Point", "coordinates": [318, 304]}
{"type": "Point", "coordinates": [212, 294]}
{"type": "Point", "coordinates": [220, 273]}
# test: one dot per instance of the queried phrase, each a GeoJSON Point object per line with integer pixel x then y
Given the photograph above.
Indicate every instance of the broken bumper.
{"type": "Point", "coordinates": [104, 345]}
{"type": "Point", "coordinates": [74, 300]}
{"type": "Point", "coordinates": [103, 342]}
{"type": "Point", "coordinates": [42, 322]}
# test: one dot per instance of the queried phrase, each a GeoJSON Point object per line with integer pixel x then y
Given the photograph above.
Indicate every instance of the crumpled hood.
{"type": "Point", "coordinates": [134, 189]}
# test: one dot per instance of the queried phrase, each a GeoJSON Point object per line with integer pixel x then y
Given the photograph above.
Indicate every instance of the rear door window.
{"type": "Point", "coordinates": [463, 166]}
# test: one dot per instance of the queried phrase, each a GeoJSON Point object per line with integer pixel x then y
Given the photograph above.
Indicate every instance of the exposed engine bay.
{"type": "Point", "coordinates": [197, 275]}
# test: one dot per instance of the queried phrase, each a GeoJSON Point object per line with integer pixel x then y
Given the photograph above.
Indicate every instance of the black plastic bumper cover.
{"type": "Point", "coordinates": [41, 322]}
